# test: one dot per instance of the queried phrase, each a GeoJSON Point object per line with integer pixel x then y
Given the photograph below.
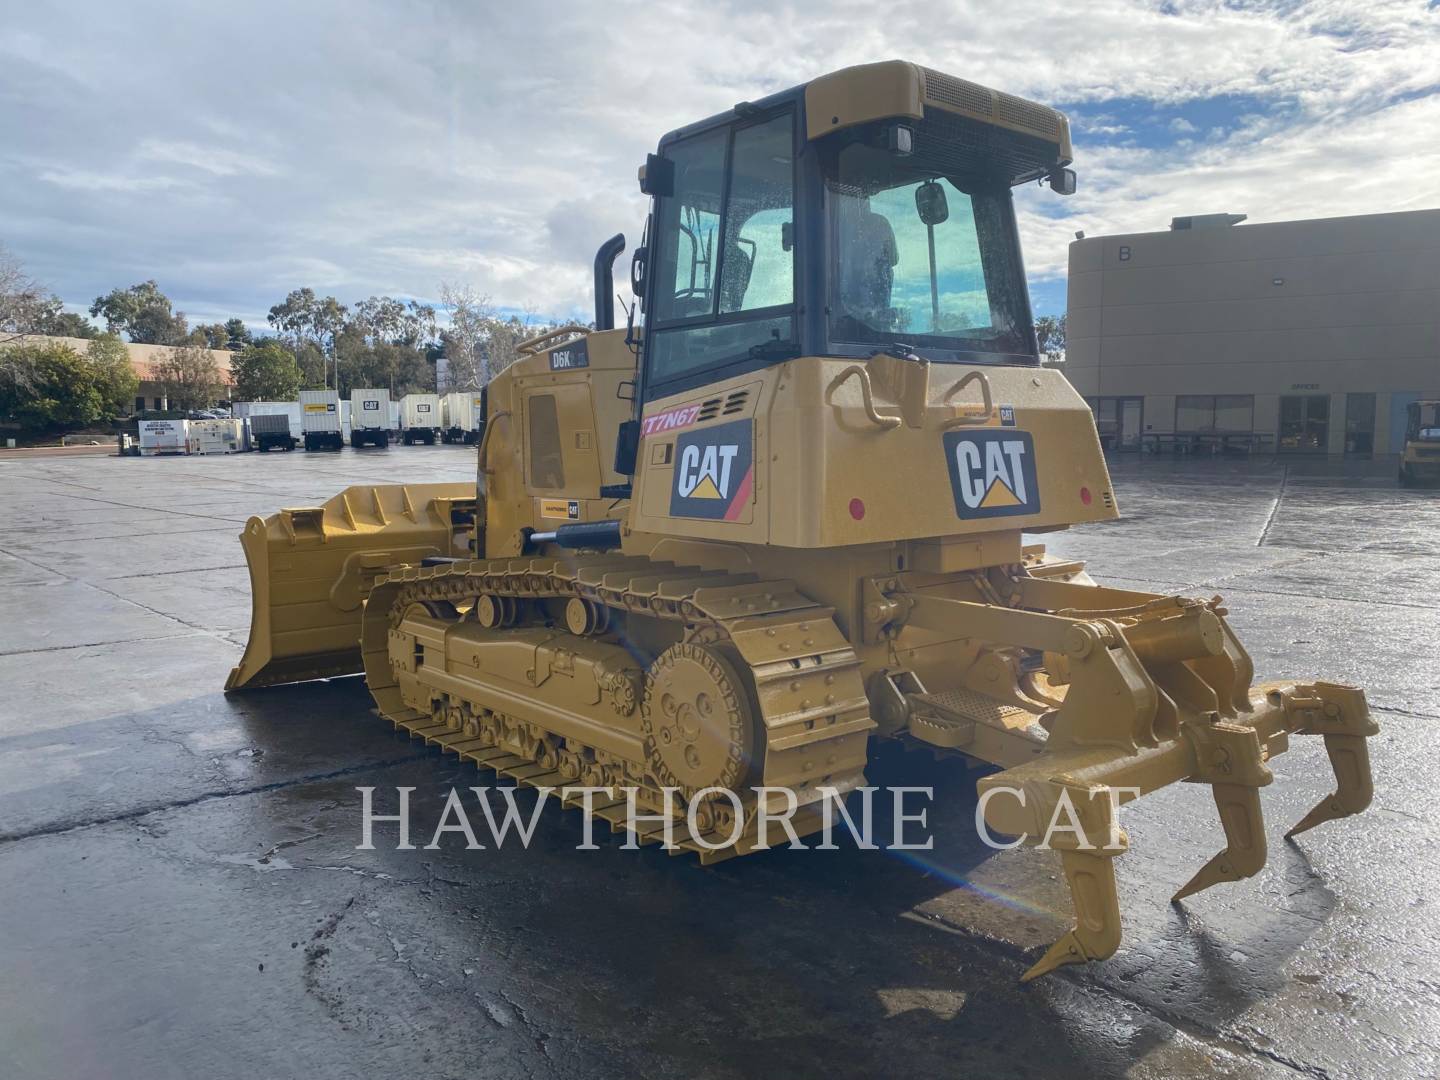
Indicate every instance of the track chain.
{"type": "Point", "coordinates": [804, 677]}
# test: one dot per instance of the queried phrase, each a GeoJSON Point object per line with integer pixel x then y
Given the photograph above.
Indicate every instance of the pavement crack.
{"type": "Point", "coordinates": [55, 828]}
{"type": "Point", "coordinates": [1411, 713]}
{"type": "Point", "coordinates": [93, 644]}
{"type": "Point", "coordinates": [1215, 583]}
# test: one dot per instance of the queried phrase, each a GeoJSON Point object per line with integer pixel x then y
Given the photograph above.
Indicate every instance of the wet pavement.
{"type": "Point", "coordinates": [181, 894]}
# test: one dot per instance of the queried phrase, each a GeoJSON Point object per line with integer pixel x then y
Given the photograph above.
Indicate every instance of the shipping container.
{"type": "Point", "coordinates": [164, 437]}
{"type": "Point", "coordinates": [369, 418]}
{"type": "Point", "coordinates": [420, 418]}
{"type": "Point", "coordinates": [289, 409]}
{"type": "Point", "coordinates": [321, 420]}
{"type": "Point", "coordinates": [217, 437]}
{"type": "Point", "coordinates": [462, 414]}
{"type": "Point", "coordinates": [271, 431]}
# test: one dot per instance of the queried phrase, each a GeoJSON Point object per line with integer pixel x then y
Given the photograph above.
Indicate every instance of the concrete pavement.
{"type": "Point", "coordinates": [180, 891]}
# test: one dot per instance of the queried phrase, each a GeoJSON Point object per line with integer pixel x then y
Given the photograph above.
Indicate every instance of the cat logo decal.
{"type": "Point", "coordinates": [992, 473]}
{"type": "Point", "coordinates": [714, 472]}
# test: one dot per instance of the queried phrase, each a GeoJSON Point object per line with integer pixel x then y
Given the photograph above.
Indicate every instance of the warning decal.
{"type": "Point", "coordinates": [714, 472]}
{"type": "Point", "coordinates": [992, 473]}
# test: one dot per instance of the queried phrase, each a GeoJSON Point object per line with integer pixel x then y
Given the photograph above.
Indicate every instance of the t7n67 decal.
{"type": "Point", "coordinates": [992, 472]}
{"type": "Point", "coordinates": [714, 472]}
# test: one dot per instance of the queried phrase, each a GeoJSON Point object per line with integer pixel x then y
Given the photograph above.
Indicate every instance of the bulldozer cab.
{"type": "Point", "coordinates": [802, 225]}
{"type": "Point", "coordinates": [833, 286]}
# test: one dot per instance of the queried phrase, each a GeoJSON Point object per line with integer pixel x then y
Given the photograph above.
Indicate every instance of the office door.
{"type": "Point", "coordinates": [1305, 423]}
{"type": "Point", "coordinates": [1359, 425]}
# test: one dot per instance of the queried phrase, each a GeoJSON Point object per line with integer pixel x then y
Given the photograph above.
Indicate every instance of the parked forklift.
{"type": "Point", "coordinates": [1420, 457]}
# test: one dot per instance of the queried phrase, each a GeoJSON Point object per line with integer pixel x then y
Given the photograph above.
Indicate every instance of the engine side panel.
{"type": "Point", "coordinates": [829, 453]}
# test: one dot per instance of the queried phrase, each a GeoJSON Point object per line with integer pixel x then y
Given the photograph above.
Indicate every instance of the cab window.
{"type": "Point", "coordinates": [725, 271]}
{"type": "Point", "coordinates": [547, 459]}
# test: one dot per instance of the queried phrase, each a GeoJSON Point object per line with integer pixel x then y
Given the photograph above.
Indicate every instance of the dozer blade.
{"type": "Point", "coordinates": [311, 569]}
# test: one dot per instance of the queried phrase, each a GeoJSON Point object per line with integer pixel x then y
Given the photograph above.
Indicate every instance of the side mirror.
{"type": "Point", "coordinates": [627, 447]}
{"type": "Point", "coordinates": [637, 270]}
{"type": "Point", "coordinates": [1062, 181]}
{"type": "Point", "coordinates": [930, 203]}
{"type": "Point", "coordinates": [657, 176]}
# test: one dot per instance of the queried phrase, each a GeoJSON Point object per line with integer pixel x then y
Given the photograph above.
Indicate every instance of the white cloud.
{"type": "Point", "coordinates": [363, 147]}
{"type": "Point", "coordinates": [216, 160]}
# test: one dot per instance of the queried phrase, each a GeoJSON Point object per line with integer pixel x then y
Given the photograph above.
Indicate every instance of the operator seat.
{"type": "Point", "coordinates": [868, 254]}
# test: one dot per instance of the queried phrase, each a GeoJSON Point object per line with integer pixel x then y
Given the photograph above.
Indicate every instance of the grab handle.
{"type": "Point", "coordinates": [881, 420]}
{"type": "Point", "coordinates": [986, 400]}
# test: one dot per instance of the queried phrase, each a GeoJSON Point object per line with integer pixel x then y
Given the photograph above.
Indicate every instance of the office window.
{"type": "Point", "coordinates": [1196, 413]}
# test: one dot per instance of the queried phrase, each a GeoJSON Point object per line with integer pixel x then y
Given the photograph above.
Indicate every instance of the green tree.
{"type": "Point", "coordinates": [190, 377]}
{"type": "Point", "coordinates": [54, 321]}
{"type": "Point", "coordinates": [143, 313]}
{"type": "Point", "coordinates": [237, 334]}
{"type": "Point", "coordinates": [310, 319]}
{"type": "Point", "coordinates": [46, 385]}
{"type": "Point", "coordinates": [314, 366]}
{"type": "Point", "coordinates": [395, 322]}
{"type": "Point", "coordinates": [210, 336]}
{"type": "Point", "coordinates": [406, 368]}
{"type": "Point", "coordinates": [113, 372]}
{"type": "Point", "coordinates": [295, 315]}
{"type": "Point", "coordinates": [1050, 333]}
{"type": "Point", "coordinates": [265, 371]}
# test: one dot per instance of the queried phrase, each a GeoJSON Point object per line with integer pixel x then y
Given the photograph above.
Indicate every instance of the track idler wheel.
{"type": "Point", "coordinates": [698, 725]}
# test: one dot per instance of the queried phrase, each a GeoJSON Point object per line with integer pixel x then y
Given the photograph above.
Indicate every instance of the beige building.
{"type": "Point", "coordinates": [1297, 336]}
{"type": "Point", "coordinates": [150, 394]}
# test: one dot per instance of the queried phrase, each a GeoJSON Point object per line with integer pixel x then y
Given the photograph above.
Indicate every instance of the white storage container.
{"type": "Point", "coordinates": [320, 420]}
{"type": "Point", "coordinates": [369, 418]}
{"type": "Point", "coordinates": [164, 437]}
{"type": "Point", "coordinates": [420, 418]}
{"type": "Point", "coordinates": [462, 414]}
{"type": "Point", "coordinates": [218, 437]}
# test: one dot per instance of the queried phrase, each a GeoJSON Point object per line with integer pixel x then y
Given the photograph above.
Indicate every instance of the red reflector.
{"type": "Point", "coordinates": [1085, 495]}
{"type": "Point", "coordinates": [857, 509]}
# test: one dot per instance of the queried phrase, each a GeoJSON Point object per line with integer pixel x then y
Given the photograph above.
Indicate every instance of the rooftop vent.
{"type": "Point", "coordinates": [1206, 221]}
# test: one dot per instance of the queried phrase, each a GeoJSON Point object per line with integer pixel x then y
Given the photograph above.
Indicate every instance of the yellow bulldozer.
{"type": "Point", "coordinates": [730, 551]}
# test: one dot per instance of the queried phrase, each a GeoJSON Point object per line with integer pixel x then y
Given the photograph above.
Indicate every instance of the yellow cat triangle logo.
{"type": "Point", "coordinates": [706, 489]}
{"type": "Point", "coordinates": [999, 495]}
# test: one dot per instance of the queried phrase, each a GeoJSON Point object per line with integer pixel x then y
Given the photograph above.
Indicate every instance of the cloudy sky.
{"type": "Point", "coordinates": [234, 152]}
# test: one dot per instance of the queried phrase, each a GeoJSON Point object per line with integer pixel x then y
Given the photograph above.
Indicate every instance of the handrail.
{"type": "Point", "coordinates": [987, 400]}
{"type": "Point", "coordinates": [879, 419]}
{"type": "Point", "coordinates": [503, 414]}
{"type": "Point", "coordinates": [532, 345]}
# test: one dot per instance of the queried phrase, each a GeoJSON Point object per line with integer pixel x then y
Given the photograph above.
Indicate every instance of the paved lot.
{"type": "Point", "coordinates": [180, 894]}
